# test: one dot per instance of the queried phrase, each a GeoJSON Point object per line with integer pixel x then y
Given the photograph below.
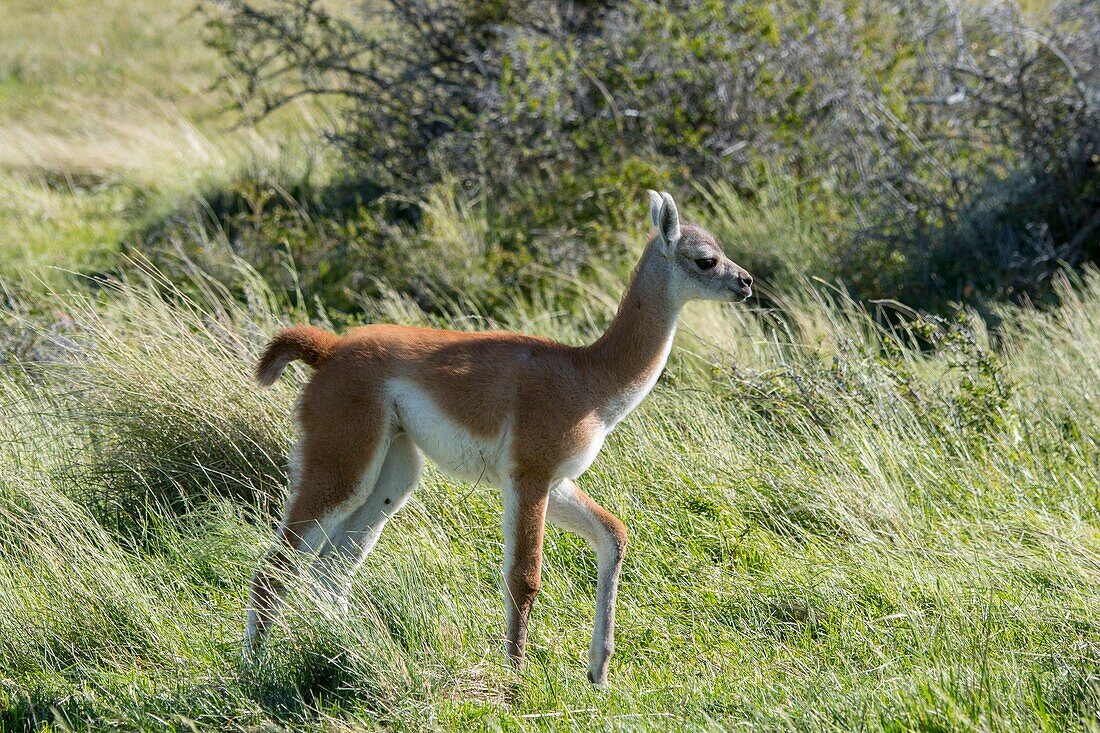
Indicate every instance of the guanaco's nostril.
{"type": "Point", "coordinates": [745, 278]}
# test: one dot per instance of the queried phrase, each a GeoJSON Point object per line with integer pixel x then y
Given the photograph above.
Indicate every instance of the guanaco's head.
{"type": "Point", "coordinates": [699, 268]}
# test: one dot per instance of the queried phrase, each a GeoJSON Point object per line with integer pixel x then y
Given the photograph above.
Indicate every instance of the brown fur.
{"type": "Point", "coordinates": [308, 343]}
{"type": "Point", "coordinates": [479, 379]}
{"type": "Point", "coordinates": [524, 578]}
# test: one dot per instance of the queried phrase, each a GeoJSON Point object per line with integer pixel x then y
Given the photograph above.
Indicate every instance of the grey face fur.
{"type": "Point", "coordinates": [700, 269]}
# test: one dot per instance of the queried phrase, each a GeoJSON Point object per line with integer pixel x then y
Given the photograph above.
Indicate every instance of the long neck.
{"type": "Point", "coordinates": [635, 346]}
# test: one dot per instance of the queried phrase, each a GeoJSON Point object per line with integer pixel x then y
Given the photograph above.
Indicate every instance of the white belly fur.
{"type": "Point", "coordinates": [456, 451]}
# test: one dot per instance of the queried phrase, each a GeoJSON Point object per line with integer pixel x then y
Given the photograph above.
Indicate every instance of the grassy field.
{"type": "Point", "coordinates": [108, 120]}
{"type": "Point", "coordinates": [834, 525]}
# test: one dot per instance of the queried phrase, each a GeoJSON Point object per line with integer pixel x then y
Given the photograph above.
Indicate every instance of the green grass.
{"type": "Point", "coordinates": [829, 530]}
{"type": "Point", "coordinates": [108, 121]}
{"type": "Point", "coordinates": [834, 526]}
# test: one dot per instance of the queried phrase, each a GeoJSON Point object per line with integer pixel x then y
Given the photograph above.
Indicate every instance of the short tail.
{"type": "Point", "coordinates": [308, 343]}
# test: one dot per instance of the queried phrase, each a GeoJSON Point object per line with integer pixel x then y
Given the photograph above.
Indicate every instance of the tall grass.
{"type": "Point", "coordinates": [834, 525]}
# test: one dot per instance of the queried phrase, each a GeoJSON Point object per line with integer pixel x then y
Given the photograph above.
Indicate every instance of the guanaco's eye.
{"type": "Point", "coordinates": [706, 263]}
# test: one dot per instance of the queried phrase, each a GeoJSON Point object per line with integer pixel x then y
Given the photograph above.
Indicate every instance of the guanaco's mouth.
{"type": "Point", "coordinates": [740, 294]}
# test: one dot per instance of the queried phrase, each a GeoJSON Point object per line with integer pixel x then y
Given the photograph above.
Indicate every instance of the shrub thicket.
{"type": "Point", "coordinates": [960, 139]}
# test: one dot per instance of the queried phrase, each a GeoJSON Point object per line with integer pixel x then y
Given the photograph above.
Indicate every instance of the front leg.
{"type": "Point", "coordinates": [572, 509]}
{"type": "Point", "coordinates": [524, 522]}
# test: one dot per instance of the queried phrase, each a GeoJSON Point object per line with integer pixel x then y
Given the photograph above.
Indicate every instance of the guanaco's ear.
{"type": "Point", "coordinates": [655, 204]}
{"type": "Point", "coordinates": [663, 212]}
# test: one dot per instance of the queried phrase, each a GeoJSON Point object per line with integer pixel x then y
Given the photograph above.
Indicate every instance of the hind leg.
{"type": "Point", "coordinates": [336, 458]}
{"type": "Point", "coordinates": [359, 532]}
{"type": "Point", "coordinates": [572, 509]}
{"type": "Point", "coordinates": [303, 531]}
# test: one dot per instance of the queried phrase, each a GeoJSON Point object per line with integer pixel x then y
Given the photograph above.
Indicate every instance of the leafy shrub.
{"type": "Point", "coordinates": [999, 183]}
{"type": "Point", "coordinates": [960, 135]}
